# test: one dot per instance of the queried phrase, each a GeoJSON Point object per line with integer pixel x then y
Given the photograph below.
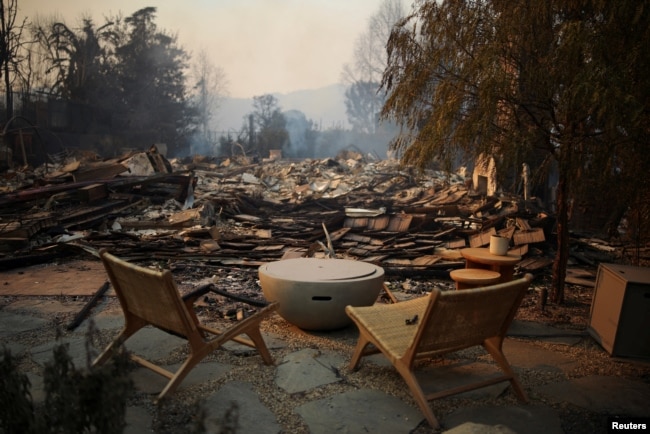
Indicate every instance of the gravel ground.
{"type": "Point", "coordinates": [180, 414]}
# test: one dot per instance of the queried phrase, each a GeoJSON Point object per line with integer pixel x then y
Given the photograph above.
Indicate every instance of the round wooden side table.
{"type": "Point", "coordinates": [480, 257]}
{"type": "Point", "coordinates": [474, 277]}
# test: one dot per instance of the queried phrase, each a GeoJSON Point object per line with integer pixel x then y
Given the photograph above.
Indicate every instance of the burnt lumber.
{"type": "Point", "coordinates": [83, 313]}
{"type": "Point", "coordinates": [243, 214]}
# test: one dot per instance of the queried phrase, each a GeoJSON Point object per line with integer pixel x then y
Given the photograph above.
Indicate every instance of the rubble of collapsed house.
{"type": "Point", "coordinates": [233, 212]}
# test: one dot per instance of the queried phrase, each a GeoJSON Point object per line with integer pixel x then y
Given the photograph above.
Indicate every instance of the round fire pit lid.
{"type": "Point", "coordinates": [316, 269]}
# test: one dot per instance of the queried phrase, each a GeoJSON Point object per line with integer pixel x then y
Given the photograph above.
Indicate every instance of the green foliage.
{"type": "Point", "coordinates": [528, 82]}
{"type": "Point", "coordinates": [128, 69]}
{"type": "Point", "coordinates": [150, 68]}
{"type": "Point", "coordinates": [76, 400]}
{"type": "Point", "coordinates": [513, 77]}
{"type": "Point", "coordinates": [271, 125]}
{"type": "Point", "coordinates": [362, 106]}
{"type": "Point", "coordinates": [79, 60]}
{"type": "Point", "coordinates": [16, 408]}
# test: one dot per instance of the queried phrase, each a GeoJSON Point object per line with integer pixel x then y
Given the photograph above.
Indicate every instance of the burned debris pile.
{"type": "Point", "coordinates": [240, 213]}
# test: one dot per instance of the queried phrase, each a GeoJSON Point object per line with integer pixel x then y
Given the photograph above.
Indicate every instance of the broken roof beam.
{"type": "Point", "coordinates": [482, 238]}
{"type": "Point", "coordinates": [40, 193]}
{"type": "Point", "coordinates": [98, 172]}
{"type": "Point", "coordinates": [87, 216]}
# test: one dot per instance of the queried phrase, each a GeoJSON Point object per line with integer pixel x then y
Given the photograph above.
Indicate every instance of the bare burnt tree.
{"type": "Point", "coordinates": [210, 88]}
{"type": "Point", "coordinates": [10, 43]}
{"type": "Point", "coordinates": [363, 75]}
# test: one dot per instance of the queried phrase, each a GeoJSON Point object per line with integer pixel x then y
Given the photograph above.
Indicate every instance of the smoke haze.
{"type": "Point", "coordinates": [263, 46]}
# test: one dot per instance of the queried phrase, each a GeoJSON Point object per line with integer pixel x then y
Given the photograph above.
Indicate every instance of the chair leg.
{"type": "Point", "coordinates": [362, 343]}
{"type": "Point", "coordinates": [180, 375]}
{"type": "Point", "coordinates": [419, 396]}
{"type": "Point", "coordinates": [497, 354]}
{"type": "Point", "coordinates": [255, 335]}
{"type": "Point", "coordinates": [199, 353]}
{"type": "Point", "coordinates": [108, 351]}
{"type": "Point", "coordinates": [129, 330]}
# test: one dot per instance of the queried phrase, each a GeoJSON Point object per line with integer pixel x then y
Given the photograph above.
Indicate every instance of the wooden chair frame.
{"type": "Point", "coordinates": [437, 324]}
{"type": "Point", "coordinates": [150, 297]}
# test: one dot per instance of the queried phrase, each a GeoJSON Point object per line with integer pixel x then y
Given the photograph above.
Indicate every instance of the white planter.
{"type": "Point", "coordinates": [313, 292]}
{"type": "Point", "coordinates": [499, 245]}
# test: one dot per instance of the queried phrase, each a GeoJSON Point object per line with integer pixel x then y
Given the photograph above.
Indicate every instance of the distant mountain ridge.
{"type": "Point", "coordinates": [325, 106]}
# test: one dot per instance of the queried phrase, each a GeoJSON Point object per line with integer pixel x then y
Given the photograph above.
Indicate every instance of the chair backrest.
{"type": "Point", "coordinates": [461, 319]}
{"type": "Point", "coordinates": [149, 295]}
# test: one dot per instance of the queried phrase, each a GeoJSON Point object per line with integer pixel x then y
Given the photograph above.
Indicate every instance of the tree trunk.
{"type": "Point", "coordinates": [562, 253]}
{"type": "Point", "coordinates": [4, 62]}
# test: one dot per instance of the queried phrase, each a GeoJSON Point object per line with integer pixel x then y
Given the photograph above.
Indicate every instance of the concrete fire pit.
{"type": "Point", "coordinates": [313, 292]}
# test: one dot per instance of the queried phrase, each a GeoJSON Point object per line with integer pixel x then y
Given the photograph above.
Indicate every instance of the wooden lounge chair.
{"type": "Point", "coordinates": [440, 323]}
{"type": "Point", "coordinates": [150, 297]}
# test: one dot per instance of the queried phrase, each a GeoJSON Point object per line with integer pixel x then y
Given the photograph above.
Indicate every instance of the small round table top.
{"type": "Point", "coordinates": [319, 270]}
{"type": "Point", "coordinates": [482, 255]}
{"type": "Point", "coordinates": [475, 276]}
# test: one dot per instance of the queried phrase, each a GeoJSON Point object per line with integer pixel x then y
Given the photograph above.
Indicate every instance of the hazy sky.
{"type": "Point", "coordinates": [263, 46]}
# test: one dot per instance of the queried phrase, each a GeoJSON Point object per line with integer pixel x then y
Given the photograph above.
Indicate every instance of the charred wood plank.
{"type": "Point", "coordinates": [31, 259]}
{"type": "Point", "coordinates": [421, 272]}
{"type": "Point", "coordinates": [89, 215]}
{"type": "Point", "coordinates": [482, 238]}
{"type": "Point", "coordinates": [26, 227]}
{"type": "Point", "coordinates": [533, 264]}
{"type": "Point", "coordinates": [236, 297]}
{"type": "Point", "coordinates": [40, 193]}
{"type": "Point", "coordinates": [78, 319]}
{"type": "Point", "coordinates": [363, 239]}
{"type": "Point", "coordinates": [457, 243]}
{"type": "Point", "coordinates": [426, 260]}
{"type": "Point", "coordinates": [435, 211]}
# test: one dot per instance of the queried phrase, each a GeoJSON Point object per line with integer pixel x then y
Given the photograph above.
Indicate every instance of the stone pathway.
{"type": "Point", "coordinates": [360, 410]}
